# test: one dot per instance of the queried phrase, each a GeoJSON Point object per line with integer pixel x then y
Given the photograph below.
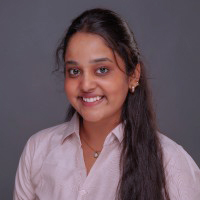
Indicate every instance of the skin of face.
{"type": "Point", "coordinates": [91, 71]}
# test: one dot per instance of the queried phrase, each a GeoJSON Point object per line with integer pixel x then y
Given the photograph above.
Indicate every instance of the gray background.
{"type": "Point", "coordinates": [33, 99]}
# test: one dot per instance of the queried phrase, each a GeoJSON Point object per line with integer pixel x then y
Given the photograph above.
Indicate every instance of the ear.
{"type": "Point", "coordinates": [135, 77]}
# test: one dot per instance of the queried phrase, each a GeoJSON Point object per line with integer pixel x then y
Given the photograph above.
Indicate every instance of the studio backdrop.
{"type": "Point", "coordinates": [32, 97]}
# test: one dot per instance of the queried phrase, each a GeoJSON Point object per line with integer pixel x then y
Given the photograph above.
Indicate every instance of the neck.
{"type": "Point", "coordinates": [96, 132]}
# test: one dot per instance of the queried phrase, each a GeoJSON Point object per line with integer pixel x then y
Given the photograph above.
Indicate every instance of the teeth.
{"type": "Point", "coordinates": [92, 99]}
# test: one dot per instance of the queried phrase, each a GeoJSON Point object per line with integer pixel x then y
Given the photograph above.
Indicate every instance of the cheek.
{"type": "Point", "coordinates": [117, 90]}
{"type": "Point", "coordinates": [120, 85]}
{"type": "Point", "coordinates": [69, 89]}
{"type": "Point", "coordinates": [66, 87]}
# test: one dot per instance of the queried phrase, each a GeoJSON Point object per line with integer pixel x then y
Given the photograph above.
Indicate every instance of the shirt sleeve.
{"type": "Point", "coordinates": [24, 189]}
{"type": "Point", "coordinates": [183, 177]}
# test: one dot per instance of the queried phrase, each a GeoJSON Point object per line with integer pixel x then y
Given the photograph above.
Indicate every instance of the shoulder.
{"type": "Point", "coordinates": [175, 154]}
{"type": "Point", "coordinates": [46, 139]}
{"type": "Point", "coordinates": [172, 151]}
{"type": "Point", "coordinates": [170, 148]}
{"type": "Point", "coordinates": [182, 173]}
{"type": "Point", "coordinates": [50, 133]}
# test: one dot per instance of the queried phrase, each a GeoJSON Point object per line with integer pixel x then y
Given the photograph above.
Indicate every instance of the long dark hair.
{"type": "Point", "coordinates": [141, 164]}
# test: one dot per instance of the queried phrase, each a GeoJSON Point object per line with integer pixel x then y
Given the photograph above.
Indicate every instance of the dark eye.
{"type": "Point", "coordinates": [102, 70]}
{"type": "Point", "coordinates": [74, 72]}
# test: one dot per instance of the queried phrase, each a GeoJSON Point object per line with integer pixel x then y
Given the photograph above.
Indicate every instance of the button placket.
{"type": "Point", "coordinates": [82, 194]}
{"type": "Point", "coordinates": [81, 174]}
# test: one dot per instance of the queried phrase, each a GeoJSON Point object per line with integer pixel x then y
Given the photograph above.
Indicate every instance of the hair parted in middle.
{"type": "Point", "coordinates": [141, 163]}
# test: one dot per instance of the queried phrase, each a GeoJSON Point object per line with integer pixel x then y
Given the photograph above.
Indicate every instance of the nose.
{"type": "Point", "coordinates": [88, 83]}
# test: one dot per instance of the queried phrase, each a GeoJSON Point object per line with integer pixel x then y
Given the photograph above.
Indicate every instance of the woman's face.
{"type": "Point", "coordinates": [94, 84]}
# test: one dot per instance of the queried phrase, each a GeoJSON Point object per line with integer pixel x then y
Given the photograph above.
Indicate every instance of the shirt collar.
{"type": "Point", "coordinates": [118, 131]}
{"type": "Point", "coordinates": [73, 127]}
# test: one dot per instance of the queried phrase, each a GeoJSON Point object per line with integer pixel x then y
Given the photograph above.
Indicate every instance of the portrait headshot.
{"type": "Point", "coordinates": [100, 100]}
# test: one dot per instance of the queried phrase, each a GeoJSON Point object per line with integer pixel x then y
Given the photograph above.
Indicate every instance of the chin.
{"type": "Point", "coordinates": [92, 117]}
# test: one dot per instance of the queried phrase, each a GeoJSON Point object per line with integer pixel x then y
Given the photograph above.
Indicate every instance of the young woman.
{"type": "Point", "coordinates": [110, 147]}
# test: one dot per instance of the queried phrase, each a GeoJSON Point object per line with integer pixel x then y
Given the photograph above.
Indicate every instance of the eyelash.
{"type": "Point", "coordinates": [103, 68]}
{"type": "Point", "coordinates": [75, 75]}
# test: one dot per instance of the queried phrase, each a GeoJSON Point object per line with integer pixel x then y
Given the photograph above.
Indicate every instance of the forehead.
{"type": "Point", "coordinates": [86, 44]}
{"type": "Point", "coordinates": [83, 47]}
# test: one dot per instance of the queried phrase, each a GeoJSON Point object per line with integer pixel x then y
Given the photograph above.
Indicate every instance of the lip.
{"type": "Point", "coordinates": [89, 95]}
{"type": "Point", "coordinates": [91, 103]}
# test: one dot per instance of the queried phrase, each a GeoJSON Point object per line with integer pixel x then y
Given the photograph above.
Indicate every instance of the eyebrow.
{"type": "Point", "coordinates": [101, 60]}
{"type": "Point", "coordinates": [97, 60]}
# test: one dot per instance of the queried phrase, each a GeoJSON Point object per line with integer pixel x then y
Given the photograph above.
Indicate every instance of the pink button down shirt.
{"type": "Point", "coordinates": [52, 167]}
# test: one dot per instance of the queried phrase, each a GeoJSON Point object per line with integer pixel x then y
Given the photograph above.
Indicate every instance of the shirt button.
{"type": "Point", "coordinates": [83, 192]}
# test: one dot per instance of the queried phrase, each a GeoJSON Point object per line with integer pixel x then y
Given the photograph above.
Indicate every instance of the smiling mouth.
{"type": "Point", "coordinates": [93, 99]}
